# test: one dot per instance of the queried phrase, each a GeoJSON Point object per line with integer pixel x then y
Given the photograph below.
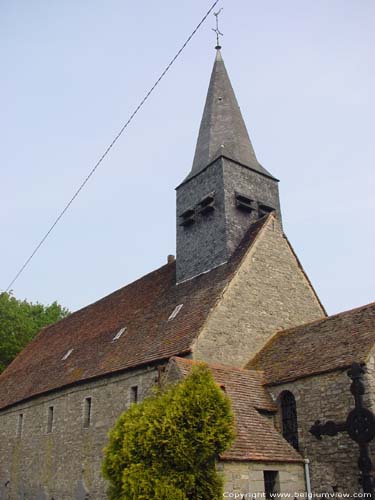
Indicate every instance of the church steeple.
{"type": "Point", "coordinates": [226, 190]}
{"type": "Point", "coordinates": [223, 131]}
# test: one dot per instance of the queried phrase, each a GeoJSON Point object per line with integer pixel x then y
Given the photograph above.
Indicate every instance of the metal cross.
{"type": "Point", "coordinates": [216, 30]}
{"type": "Point", "coordinates": [359, 424]}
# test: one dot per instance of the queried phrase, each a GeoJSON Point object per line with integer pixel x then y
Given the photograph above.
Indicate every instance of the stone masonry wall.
{"type": "Point", "coordinates": [247, 478]}
{"type": "Point", "coordinates": [202, 245]}
{"type": "Point", "coordinates": [66, 463]}
{"type": "Point", "coordinates": [269, 293]}
{"type": "Point", "coordinates": [213, 237]}
{"type": "Point", "coordinates": [260, 189]}
{"type": "Point", "coordinates": [369, 397]}
{"type": "Point", "coordinates": [333, 460]}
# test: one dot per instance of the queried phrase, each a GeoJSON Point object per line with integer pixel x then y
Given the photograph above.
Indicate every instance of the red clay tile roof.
{"type": "Point", "coordinates": [325, 345]}
{"type": "Point", "coordinates": [257, 439]}
{"type": "Point", "coordinates": [143, 307]}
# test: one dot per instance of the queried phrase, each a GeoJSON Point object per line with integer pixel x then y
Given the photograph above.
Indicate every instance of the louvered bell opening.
{"type": "Point", "coordinates": [244, 203]}
{"type": "Point", "coordinates": [264, 209]}
{"type": "Point", "coordinates": [187, 218]}
{"type": "Point", "coordinates": [207, 205]}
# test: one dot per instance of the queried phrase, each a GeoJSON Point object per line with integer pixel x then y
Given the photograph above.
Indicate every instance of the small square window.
{"type": "Point", "coordinates": [134, 394]}
{"type": "Point", "coordinates": [87, 409]}
{"type": "Point", "coordinates": [271, 483]}
{"type": "Point", "coordinates": [50, 418]}
{"type": "Point", "coordinates": [161, 372]}
{"type": "Point", "coordinates": [20, 425]}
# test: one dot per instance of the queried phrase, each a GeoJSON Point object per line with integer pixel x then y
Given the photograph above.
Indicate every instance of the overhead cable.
{"type": "Point", "coordinates": [117, 137]}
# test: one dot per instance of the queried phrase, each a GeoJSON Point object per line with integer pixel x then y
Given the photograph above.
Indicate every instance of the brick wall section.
{"type": "Point", "coordinates": [67, 462]}
{"type": "Point", "coordinates": [333, 460]}
{"type": "Point", "coordinates": [268, 293]}
{"type": "Point", "coordinates": [247, 477]}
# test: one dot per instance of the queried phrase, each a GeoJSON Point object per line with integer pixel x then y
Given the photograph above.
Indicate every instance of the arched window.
{"type": "Point", "coordinates": [289, 418]}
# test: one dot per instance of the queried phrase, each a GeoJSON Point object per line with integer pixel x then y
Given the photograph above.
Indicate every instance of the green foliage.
{"type": "Point", "coordinates": [165, 447]}
{"type": "Point", "coordinates": [19, 323]}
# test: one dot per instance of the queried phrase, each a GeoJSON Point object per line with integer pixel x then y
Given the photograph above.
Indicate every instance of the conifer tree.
{"type": "Point", "coordinates": [166, 447]}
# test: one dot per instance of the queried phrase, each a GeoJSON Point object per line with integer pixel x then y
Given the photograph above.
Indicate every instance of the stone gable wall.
{"type": "Point", "coordinates": [269, 293]}
{"type": "Point", "coordinates": [333, 460]}
{"type": "Point", "coordinates": [213, 237]}
{"type": "Point", "coordinates": [247, 478]}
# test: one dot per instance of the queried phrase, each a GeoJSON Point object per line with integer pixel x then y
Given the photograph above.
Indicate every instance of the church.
{"type": "Point", "coordinates": [236, 297]}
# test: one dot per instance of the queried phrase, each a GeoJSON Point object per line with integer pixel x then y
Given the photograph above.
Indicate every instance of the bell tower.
{"type": "Point", "coordinates": [226, 190]}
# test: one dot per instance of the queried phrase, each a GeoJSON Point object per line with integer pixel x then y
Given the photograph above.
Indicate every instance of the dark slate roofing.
{"type": "Point", "coordinates": [257, 439]}
{"type": "Point", "coordinates": [321, 346]}
{"type": "Point", "coordinates": [143, 307]}
{"type": "Point", "coordinates": [223, 131]}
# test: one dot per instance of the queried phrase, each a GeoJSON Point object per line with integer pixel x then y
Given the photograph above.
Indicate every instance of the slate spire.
{"type": "Point", "coordinates": [222, 130]}
{"type": "Point", "coordinates": [226, 191]}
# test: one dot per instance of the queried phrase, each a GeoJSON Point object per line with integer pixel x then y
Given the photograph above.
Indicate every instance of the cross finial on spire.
{"type": "Point", "coordinates": [217, 31]}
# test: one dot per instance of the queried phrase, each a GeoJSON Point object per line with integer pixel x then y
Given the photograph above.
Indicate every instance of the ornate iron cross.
{"type": "Point", "coordinates": [359, 424]}
{"type": "Point", "coordinates": [217, 31]}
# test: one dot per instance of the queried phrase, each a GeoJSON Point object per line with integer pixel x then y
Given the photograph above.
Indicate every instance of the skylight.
{"type": "Point", "coordinates": [119, 333]}
{"type": "Point", "coordinates": [67, 354]}
{"type": "Point", "coordinates": [176, 310]}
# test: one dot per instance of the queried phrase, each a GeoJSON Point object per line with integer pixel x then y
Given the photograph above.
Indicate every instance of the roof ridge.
{"type": "Point", "coordinates": [158, 269]}
{"type": "Point", "coordinates": [216, 365]}
{"type": "Point", "coordinates": [299, 263]}
{"type": "Point", "coordinates": [326, 318]}
{"type": "Point", "coordinates": [346, 336]}
{"type": "Point", "coordinates": [309, 323]}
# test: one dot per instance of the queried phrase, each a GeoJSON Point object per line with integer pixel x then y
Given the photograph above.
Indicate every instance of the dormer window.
{"type": "Point", "coordinates": [118, 334]}
{"type": "Point", "coordinates": [264, 209]}
{"type": "Point", "coordinates": [175, 311]}
{"type": "Point", "coordinates": [187, 217]}
{"type": "Point", "coordinates": [244, 203]}
{"type": "Point", "coordinates": [67, 354]}
{"type": "Point", "coordinates": [207, 205]}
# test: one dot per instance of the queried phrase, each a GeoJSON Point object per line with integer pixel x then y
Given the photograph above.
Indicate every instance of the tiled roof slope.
{"type": "Point", "coordinates": [257, 439]}
{"type": "Point", "coordinates": [143, 307]}
{"type": "Point", "coordinates": [324, 345]}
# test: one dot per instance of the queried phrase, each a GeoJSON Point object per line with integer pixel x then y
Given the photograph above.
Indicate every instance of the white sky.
{"type": "Point", "coordinates": [73, 71]}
